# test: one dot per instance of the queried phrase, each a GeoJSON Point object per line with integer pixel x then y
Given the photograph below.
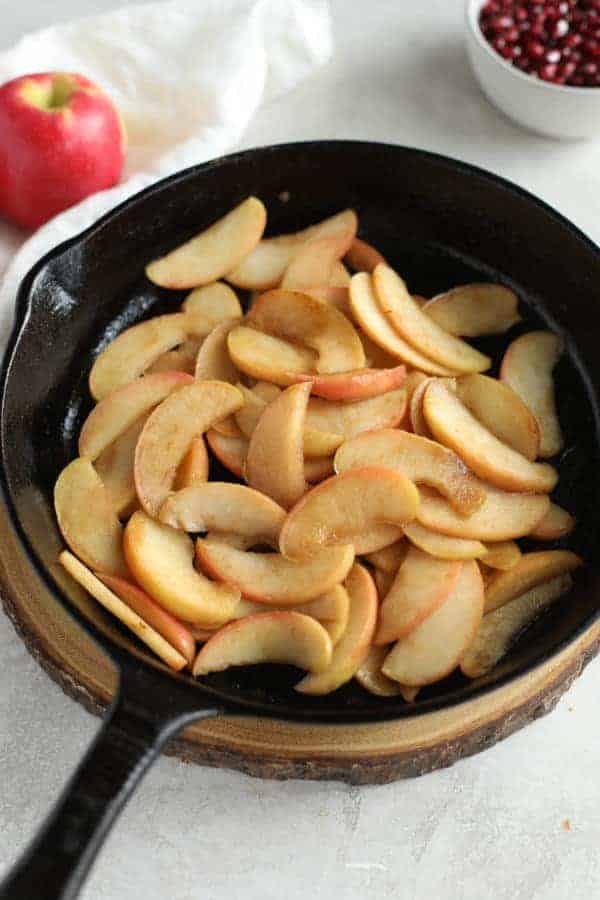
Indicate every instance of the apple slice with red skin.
{"type": "Point", "coordinates": [349, 419]}
{"type": "Point", "coordinates": [501, 555]}
{"type": "Point", "coordinates": [362, 256]}
{"type": "Point", "coordinates": [414, 326]}
{"type": "Point", "coordinates": [473, 310]}
{"type": "Point", "coordinates": [366, 311]}
{"type": "Point", "coordinates": [232, 453]}
{"type": "Point", "coordinates": [441, 545]}
{"type": "Point", "coordinates": [422, 584]}
{"type": "Point", "coordinates": [371, 678]}
{"type": "Point", "coordinates": [133, 351]}
{"type": "Point", "coordinates": [331, 610]}
{"type": "Point", "coordinates": [434, 648]}
{"type": "Point", "coordinates": [342, 508]}
{"type": "Point", "coordinates": [162, 561]}
{"type": "Point", "coordinates": [500, 628]}
{"type": "Point", "coordinates": [360, 384]}
{"type": "Point", "coordinates": [193, 469]}
{"type": "Point", "coordinates": [182, 359]}
{"type": "Point", "coordinates": [556, 524]}
{"type": "Point", "coordinates": [115, 468]}
{"type": "Point", "coordinates": [531, 569]}
{"type": "Point", "coordinates": [274, 637]}
{"type": "Point", "coordinates": [356, 640]}
{"type": "Point", "coordinates": [499, 409]}
{"type": "Point", "coordinates": [125, 406]}
{"type": "Point", "coordinates": [313, 262]}
{"type": "Point", "coordinates": [297, 317]}
{"type": "Point", "coordinates": [268, 358]}
{"type": "Point", "coordinates": [527, 368]}
{"type": "Point", "coordinates": [270, 577]}
{"type": "Point", "coordinates": [209, 306]}
{"type": "Point", "coordinates": [173, 631]}
{"type": "Point", "coordinates": [169, 431]}
{"type": "Point", "coordinates": [87, 519]}
{"type": "Point", "coordinates": [455, 427]}
{"type": "Point", "coordinates": [421, 460]}
{"type": "Point", "coordinates": [214, 252]}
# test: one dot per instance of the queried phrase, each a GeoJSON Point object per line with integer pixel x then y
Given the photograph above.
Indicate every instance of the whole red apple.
{"type": "Point", "coordinates": [61, 139]}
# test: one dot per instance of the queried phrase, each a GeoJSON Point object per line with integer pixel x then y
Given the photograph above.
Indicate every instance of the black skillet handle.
{"type": "Point", "coordinates": [137, 726]}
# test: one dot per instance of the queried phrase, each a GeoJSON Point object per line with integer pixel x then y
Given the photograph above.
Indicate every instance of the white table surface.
{"type": "Point", "coordinates": [491, 827]}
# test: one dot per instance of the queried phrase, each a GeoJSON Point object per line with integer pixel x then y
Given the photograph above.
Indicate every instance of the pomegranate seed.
{"type": "Point", "coordinates": [547, 72]}
{"type": "Point", "coordinates": [589, 68]}
{"type": "Point", "coordinates": [501, 23]}
{"type": "Point", "coordinates": [577, 81]}
{"type": "Point", "coordinates": [512, 35]}
{"type": "Point", "coordinates": [535, 50]}
{"type": "Point", "coordinates": [572, 40]}
{"type": "Point", "coordinates": [567, 69]}
{"type": "Point", "coordinates": [521, 14]}
{"type": "Point", "coordinates": [552, 56]}
{"type": "Point", "coordinates": [559, 29]}
{"type": "Point", "coordinates": [592, 48]}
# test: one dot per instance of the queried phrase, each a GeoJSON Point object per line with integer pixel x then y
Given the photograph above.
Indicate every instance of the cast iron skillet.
{"type": "Point", "coordinates": [441, 223]}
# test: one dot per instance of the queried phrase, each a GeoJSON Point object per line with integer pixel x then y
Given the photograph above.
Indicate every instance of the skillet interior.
{"type": "Point", "coordinates": [439, 222]}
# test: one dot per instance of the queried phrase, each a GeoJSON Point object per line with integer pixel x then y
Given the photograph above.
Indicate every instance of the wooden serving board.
{"type": "Point", "coordinates": [359, 754]}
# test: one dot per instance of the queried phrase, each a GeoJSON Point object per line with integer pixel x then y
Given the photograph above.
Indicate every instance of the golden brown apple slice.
{"type": "Point", "coordinates": [375, 356]}
{"type": "Point", "coordinates": [556, 524]}
{"type": "Point", "coordinates": [213, 362]}
{"type": "Point", "coordinates": [220, 506]}
{"type": "Point", "coordinates": [496, 406]}
{"type": "Point", "coordinates": [87, 519]}
{"type": "Point", "coordinates": [341, 509]}
{"type": "Point", "coordinates": [182, 359]}
{"type": "Point", "coordinates": [209, 306]}
{"type": "Point", "coordinates": [472, 310]}
{"type": "Point", "coordinates": [266, 391]}
{"type": "Point", "coordinates": [214, 252]}
{"type": "Point", "coordinates": [503, 516]}
{"type": "Point", "coordinates": [363, 257]}
{"type": "Point", "coordinates": [231, 452]}
{"type": "Point", "coordinates": [356, 640]}
{"type": "Point", "coordinates": [376, 538]}
{"type": "Point", "coordinates": [264, 267]}
{"type": "Point", "coordinates": [527, 368]}
{"type": "Point", "coordinates": [141, 628]}
{"type": "Point", "coordinates": [435, 647]}
{"type": "Point", "coordinates": [273, 637]}
{"type": "Point", "coordinates": [390, 558]}
{"type": "Point", "coordinates": [366, 311]}
{"type": "Point", "coordinates": [372, 679]}
{"type": "Point", "coordinates": [133, 351]}
{"type": "Point", "coordinates": [417, 416]}
{"type": "Point", "coordinates": [115, 468]}
{"type": "Point", "coordinates": [349, 419]}
{"type": "Point", "coordinates": [500, 628]}
{"type": "Point", "coordinates": [331, 610]}
{"type": "Point", "coordinates": [173, 631]}
{"type": "Point", "coordinates": [270, 577]}
{"type": "Point", "coordinates": [383, 580]}
{"type": "Point", "coordinates": [121, 409]}
{"type": "Point", "coordinates": [455, 427]}
{"type": "Point", "coordinates": [441, 545]}
{"type": "Point", "coordinates": [194, 467]}
{"type": "Point", "coordinates": [317, 469]}
{"type": "Point", "coordinates": [360, 384]}
{"type": "Point", "coordinates": [415, 326]}
{"type": "Point", "coordinates": [169, 431]}
{"type": "Point", "coordinates": [422, 584]}
{"type": "Point", "coordinates": [275, 461]}
{"type": "Point", "coordinates": [162, 561]}
{"type": "Point", "coordinates": [268, 358]}
{"type": "Point", "coordinates": [297, 317]}
{"type": "Point", "coordinates": [313, 262]}
{"type": "Point", "coordinates": [421, 460]}
{"type": "Point", "coordinates": [531, 569]}
{"type": "Point", "coordinates": [501, 555]}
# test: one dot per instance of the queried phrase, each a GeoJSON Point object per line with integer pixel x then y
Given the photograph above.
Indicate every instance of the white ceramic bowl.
{"type": "Point", "coordinates": [566, 113]}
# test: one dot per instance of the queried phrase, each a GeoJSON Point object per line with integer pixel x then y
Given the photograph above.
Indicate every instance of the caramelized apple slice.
{"type": "Point", "coordinates": [115, 468]}
{"type": "Point", "coordinates": [473, 310]}
{"type": "Point", "coordinates": [313, 262]}
{"type": "Point", "coordinates": [86, 518]}
{"type": "Point", "coordinates": [270, 577]}
{"type": "Point", "coordinates": [376, 538]}
{"type": "Point", "coordinates": [527, 367]}
{"type": "Point", "coordinates": [383, 580]}
{"type": "Point", "coordinates": [231, 452]}
{"type": "Point", "coordinates": [182, 359]}
{"type": "Point", "coordinates": [316, 470]}
{"type": "Point", "coordinates": [209, 306]}
{"type": "Point", "coordinates": [435, 647]}
{"type": "Point", "coordinates": [441, 545]}
{"type": "Point", "coordinates": [194, 467]}
{"type": "Point", "coordinates": [556, 524]}
{"type": "Point", "coordinates": [531, 569]}
{"type": "Point", "coordinates": [496, 406]}
{"type": "Point", "coordinates": [360, 384]}
{"type": "Point", "coordinates": [269, 358]}
{"type": "Point", "coordinates": [418, 421]}
{"type": "Point", "coordinates": [363, 257]}
{"type": "Point", "coordinates": [214, 252]}
{"type": "Point", "coordinates": [390, 558]}
{"type": "Point", "coordinates": [213, 362]}
{"type": "Point", "coordinates": [501, 555]}
{"type": "Point", "coordinates": [372, 679]}
{"type": "Point", "coordinates": [349, 419]}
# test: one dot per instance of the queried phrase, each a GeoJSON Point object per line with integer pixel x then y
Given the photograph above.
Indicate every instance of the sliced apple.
{"type": "Point", "coordinates": [383, 580]}
{"type": "Point", "coordinates": [270, 577]}
{"type": "Point", "coordinates": [421, 460]}
{"type": "Point", "coordinates": [193, 469]}
{"type": "Point", "coordinates": [209, 306]}
{"type": "Point", "coordinates": [313, 262]}
{"type": "Point", "coordinates": [264, 267]}
{"type": "Point", "coordinates": [376, 538]}
{"type": "Point", "coordinates": [499, 409]}
{"type": "Point", "coordinates": [169, 431]}
{"type": "Point", "coordinates": [274, 637]}
{"type": "Point", "coordinates": [279, 435]}
{"type": "Point", "coordinates": [417, 416]}
{"type": "Point", "coordinates": [115, 468]}
{"type": "Point", "coordinates": [501, 555]}
{"type": "Point", "coordinates": [182, 359]}
{"type": "Point", "coordinates": [434, 648]}
{"type": "Point", "coordinates": [363, 257]}
{"type": "Point", "coordinates": [556, 524]}
{"type": "Point", "coordinates": [231, 452]}
{"type": "Point", "coordinates": [340, 276]}
{"type": "Point", "coordinates": [500, 628]}
{"type": "Point", "coordinates": [349, 419]}
{"type": "Point", "coordinates": [527, 368]}
{"type": "Point", "coordinates": [473, 310]}
{"type": "Point", "coordinates": [87, 519]}
{"type": "Point", "coordinates": [421, 585]}
{"type": "Point", "coordinates": [173, 631]}
{"type": "Point", "coordinates": [215, 251]}
{"type": "Point", "coordinates": [220, 506]}
{"type": "Point", "coordinates": [371, 678]}
{"type": "Point", "coordinates": [317, 469]}
{"type": "Point", "coordinates": [390, 558]}
{"type": "Point", "coordinates": [356, 640]}
{"type": "Point", "coordinates": [503, 516]}
{"type": "Point", "coordinates": [343, 507]}
{"type": "Point", "coordinates": [359, 384]}
{"type": "Point", "coordinates": [269, 358]}
{"type": "Point", "coordinates": [441, 545]}
{"type": "Point", "coordinates": [531, 569]}
{"type": "Point", "coordinates": [335, 296]}
{"type": "Point", "coordinates": [375, 356]}
{"type": "Point", "coordinates": [266, 391]}
{"type": "Point", "coordinates": [331, 610]}
{"type": "Point", "coordinates": [125, 406]}
{"type": "Point", "coordinates": [213, 362]}
{"type": "Point", "coordinates": [111, 602]}
{"type": "Point", "coordinates": [297, 317]}
{"type": "Point", "coordinates": [133, 351]}
{"type": "Point", "coordinates": [367, 313]}
{"type": "Point", "coordinates": [162, 561]}
{"type": "Point", "coordinates": [455, 427]}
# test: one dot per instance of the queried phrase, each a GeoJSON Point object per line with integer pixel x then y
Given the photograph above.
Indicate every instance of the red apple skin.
{"type": "Point", "coordinates": [51, 157]}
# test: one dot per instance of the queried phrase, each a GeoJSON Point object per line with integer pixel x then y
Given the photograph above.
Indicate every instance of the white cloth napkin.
{"type": "Point", "coordinates": [187, 76]}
